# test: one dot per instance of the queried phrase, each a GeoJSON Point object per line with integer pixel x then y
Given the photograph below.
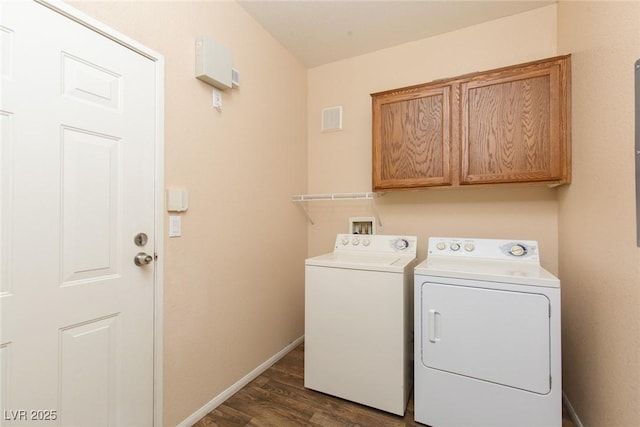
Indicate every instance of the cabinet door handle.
{"type": "Point", "coordinates": [432, 325]}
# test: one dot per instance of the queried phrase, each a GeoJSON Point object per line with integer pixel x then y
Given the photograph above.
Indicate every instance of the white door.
{"type": "Point", "coordinates": [77, 119]}
{"type": "Point", "coordinates": [491, 335]}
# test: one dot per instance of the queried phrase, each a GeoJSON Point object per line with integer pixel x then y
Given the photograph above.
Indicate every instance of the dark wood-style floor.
{"type": "Point", "coordinates": [278, 398]}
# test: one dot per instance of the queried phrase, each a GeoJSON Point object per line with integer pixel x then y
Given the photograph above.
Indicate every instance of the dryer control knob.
{"type": "Point", "coordinates": [441, 246]}
{"type": "Point", "coordinates": [345, 241]}
{"type": "Point", "coordinates": [455, 246]}
{"type": "Point", "coordinates": [355, 241]}
{"type": "Point", "coordinates": [469, 247]}
{"type": "Point", "coordinates": [366, 242]}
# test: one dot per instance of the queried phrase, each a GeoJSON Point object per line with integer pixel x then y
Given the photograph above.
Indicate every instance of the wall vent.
{"type": "Point", "coordinates": [332, 119]}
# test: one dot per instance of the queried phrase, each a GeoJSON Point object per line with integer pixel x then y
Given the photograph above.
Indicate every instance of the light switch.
{"type": "Point", "coordinates": [175, 226]}
{"type": "Point", "coordinates": [217, 99]}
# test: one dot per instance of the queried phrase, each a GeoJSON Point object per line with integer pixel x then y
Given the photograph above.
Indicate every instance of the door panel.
{"type": "Point", "coordinates": [90, 82]}
{"type": "Point", "coordinates": [90, 199]}
{"type": "Point", "coordinates": [492, 335]}
{"type": "Point", "coordinates": [88, 357]}
{"type": "Point", "coordinates": [6, 134]}
{"type": "Point", "coordinates": [78, 124]}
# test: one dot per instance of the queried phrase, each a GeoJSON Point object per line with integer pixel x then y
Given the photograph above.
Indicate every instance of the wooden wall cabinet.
{"type": "Point", "coordinates": [510, 125]}
{"type": "Point", "coordinates": [412, 137]}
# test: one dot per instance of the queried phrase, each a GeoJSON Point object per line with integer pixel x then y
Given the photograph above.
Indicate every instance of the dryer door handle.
{"type": "Point", "coordinates": [432, 325]}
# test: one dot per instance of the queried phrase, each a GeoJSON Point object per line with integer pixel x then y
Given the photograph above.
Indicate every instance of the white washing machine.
{"type": "Point", "coordinates": [359, 319]}
{"type": "Point", "coordinates": [487, 332]}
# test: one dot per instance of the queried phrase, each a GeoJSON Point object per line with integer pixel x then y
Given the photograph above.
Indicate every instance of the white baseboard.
{"type": "Point", "coordinates": [219, 399]}
{"type": "Point", "coordinates": [572, 412]}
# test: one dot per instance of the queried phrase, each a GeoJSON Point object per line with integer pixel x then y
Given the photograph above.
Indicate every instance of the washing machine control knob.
{"type": "Point", "coordinates": [518, 250]}
{"type": "Point", "coordinates": [401, 244]}
{"type": "Point", "coordinates": [455, 246]}
{"type": "Point", "coordinates": [441, 246]}
{"type": "Point", "coordinates": [366, 241]}
{"type": "Point", "coordinates": [469, 247]}
{"type": "Point", "coordinates": [345, 241]}
{"type": "Point", "coordinates": [355, 241]}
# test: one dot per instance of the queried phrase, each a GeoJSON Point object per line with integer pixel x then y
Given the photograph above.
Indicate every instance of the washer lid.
{"type": "Point", "coordinates": [373, 262]}
{"type": "Point", "coordinates": [522, 273]}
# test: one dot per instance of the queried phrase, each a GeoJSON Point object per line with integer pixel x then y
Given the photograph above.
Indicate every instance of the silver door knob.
{"type": "Point", "coordinates": [142, 259]}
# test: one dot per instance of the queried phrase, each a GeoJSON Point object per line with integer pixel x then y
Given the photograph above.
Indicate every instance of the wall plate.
{"type": "Point", "coordinates": [362, 225]}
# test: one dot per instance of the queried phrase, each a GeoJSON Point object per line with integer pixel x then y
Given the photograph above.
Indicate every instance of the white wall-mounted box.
{"type": "Point", "coordinates": [213, 63]}
{"type": "Point", "coordinates": [177, 200]}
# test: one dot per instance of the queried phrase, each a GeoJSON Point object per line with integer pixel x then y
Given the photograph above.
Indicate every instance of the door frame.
{"type": "Point", "coordinates": [158, 60]}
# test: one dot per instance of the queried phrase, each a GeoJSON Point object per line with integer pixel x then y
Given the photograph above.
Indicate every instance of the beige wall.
{"type": "Point", "coordinates": [222, 319]}
{"type": "Point", "coordinates": [599, 259]}
{"type": "Point", "coordinates": [234, 283]}
{"type": "Point", "coordinates": [341, 161]}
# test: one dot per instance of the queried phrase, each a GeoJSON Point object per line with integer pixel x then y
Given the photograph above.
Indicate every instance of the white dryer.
{"type": "Point", "coordinates": [487, 332]}
{"type": "Point", "coordinates": [358, 320]}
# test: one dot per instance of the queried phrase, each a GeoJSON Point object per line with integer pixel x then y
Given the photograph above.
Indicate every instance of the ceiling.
{"type": "Point", "coordinates": [321, 31]}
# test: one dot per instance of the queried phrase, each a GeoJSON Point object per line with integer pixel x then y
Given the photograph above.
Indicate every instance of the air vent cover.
{"type": "Point", "coordinates": [332, 119]}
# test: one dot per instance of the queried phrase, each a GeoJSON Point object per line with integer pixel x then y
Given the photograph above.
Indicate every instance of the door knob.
{"type": "Point", "coordinates": [142, 259]}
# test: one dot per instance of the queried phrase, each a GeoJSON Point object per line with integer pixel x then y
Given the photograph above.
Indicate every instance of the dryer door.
{"type": "Point", "coordinates": [491, 335]}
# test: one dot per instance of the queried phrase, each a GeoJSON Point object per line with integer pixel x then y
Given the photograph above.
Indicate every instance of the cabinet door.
{"type": "Point", "coordinates": [514, 125]}
{"type": "Point", "coordinates": [411, 138]}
